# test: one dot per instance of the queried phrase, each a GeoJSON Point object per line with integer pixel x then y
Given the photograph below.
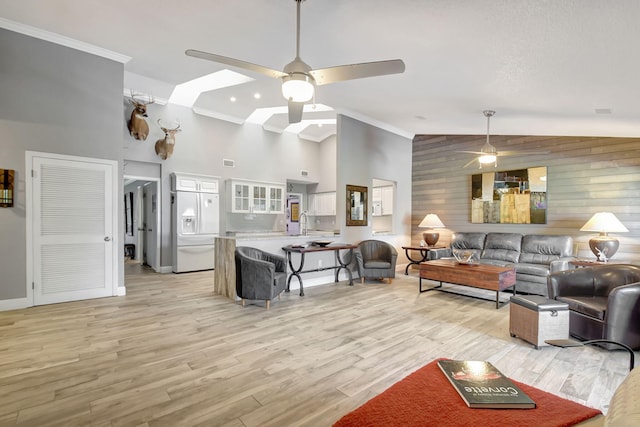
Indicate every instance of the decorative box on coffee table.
{"type": "Point", "coordinates": [536, 318]}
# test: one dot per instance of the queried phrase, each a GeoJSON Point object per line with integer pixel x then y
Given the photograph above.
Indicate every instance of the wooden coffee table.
{"type": "Point", "coordinates": [481, 276]}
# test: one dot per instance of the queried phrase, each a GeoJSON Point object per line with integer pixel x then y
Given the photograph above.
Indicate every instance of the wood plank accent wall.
{"type": "Point", "coordinates": [585, 175]}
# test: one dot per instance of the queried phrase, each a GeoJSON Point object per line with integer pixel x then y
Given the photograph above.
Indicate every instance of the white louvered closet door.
{"type": "Point", "coordinates": [72, 230]}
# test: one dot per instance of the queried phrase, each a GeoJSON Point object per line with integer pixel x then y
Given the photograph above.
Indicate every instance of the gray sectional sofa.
{"type": "Point", "coordinates": [534, 256]}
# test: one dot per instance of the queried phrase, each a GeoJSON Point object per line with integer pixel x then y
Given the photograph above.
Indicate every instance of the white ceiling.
{"type": "Point", "coordinates": [545, 66]}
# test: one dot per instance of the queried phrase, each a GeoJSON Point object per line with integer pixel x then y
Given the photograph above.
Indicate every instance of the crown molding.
{"type": "Point", "coordinates": [62, 40]}
{"type": "Point", "coordinates": [376, 123]}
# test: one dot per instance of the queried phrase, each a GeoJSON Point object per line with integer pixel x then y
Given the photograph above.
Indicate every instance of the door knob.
{"type": "Point", "coordinates": [106, 239]}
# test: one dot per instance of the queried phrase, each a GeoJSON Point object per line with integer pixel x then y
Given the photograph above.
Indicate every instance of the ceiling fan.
{"type": "Point", "coordinates": [299, 80]}
{"type": "Point", "coordinates": [488, 153]}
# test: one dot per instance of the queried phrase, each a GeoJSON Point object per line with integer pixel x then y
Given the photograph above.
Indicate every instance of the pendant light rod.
{"type": "Point", "coordinates": [298, 2]}
{"type": "Point", "coordinates": [488, 114]}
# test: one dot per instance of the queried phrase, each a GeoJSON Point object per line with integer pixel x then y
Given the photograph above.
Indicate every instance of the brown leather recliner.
{"type": "Point", "coordinates": [604, 302]}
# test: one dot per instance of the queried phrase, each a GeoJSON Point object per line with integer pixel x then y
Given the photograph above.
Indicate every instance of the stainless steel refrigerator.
{"type": "Point", "coordinates": [195, 225]}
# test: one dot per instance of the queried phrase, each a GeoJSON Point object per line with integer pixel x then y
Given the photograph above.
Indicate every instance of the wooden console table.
{"type": "Point", "coordinates": [340, 262]}
{"type": "Point", "coordinates": [483, 276]}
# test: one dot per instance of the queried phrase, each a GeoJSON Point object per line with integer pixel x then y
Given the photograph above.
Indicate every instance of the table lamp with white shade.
{"type": "Point", "coordinates": [604, 246]}
{"type": "Point", "coordinates": [431, 221]}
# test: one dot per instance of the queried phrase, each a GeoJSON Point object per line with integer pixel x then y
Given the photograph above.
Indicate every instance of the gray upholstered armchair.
{"type": "Point", "coordinates": [259, 275]}
{"type": "Point", "coordinates": [376, 258]}
{"type": "Point", "coordinates": [604, 302]}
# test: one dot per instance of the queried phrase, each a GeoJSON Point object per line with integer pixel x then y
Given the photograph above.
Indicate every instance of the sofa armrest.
{"type": "Point", "coordinates": [439, 253]}
{"type": "Point", "coordinates": [278, 261]}
{"type": "Point", "coordinates": [394, 259]}
{"type": "Point", "coordinates": [623, 313]}
{"type": "Point", "coordinates": [359, 261]}
{"type": "Point", "coordinates": [256, 270]}
{"type": "Point", "coordinates": [560, 264]}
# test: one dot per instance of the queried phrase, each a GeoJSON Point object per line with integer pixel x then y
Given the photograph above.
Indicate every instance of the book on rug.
{"type": "Point", "coordinates": [481, 385]}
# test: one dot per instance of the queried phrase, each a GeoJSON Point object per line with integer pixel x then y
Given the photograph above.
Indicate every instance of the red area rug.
{"type": "Point", "coordinates": [426, 398]}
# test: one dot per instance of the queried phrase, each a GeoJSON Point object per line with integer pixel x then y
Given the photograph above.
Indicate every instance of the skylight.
{"type": "Point", "coordinates": [187, 93]}
{"type": "Point", "coordinates": [261, 115]}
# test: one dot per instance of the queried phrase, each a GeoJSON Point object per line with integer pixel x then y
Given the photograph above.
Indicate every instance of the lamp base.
{"type": "Point", "coordinates": [430, 238]}
{"type": "Point", "coordinates": [603, 247]}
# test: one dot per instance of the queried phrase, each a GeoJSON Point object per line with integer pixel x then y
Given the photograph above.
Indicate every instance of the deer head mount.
{"type": "Point", "coordinates": [164, 146]}
{"type": "Point", "coordinates": [138, 127]}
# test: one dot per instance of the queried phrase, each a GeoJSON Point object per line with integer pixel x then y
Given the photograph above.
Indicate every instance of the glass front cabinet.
{"type": "Point", "coordinates": [256, 197]}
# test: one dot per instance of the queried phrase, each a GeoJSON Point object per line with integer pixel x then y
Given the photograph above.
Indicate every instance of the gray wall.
{"type": "Point", "coordinates": [365, 152]}
{"type": "Point", "coordinates": [585, 175]}
{"type": "Point", "coordinates": [201, 147]}
{"type": "Point", "coordinates": [57, 100]}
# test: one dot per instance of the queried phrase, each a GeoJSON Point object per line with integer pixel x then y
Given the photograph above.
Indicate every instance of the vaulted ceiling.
{"type": "Point", "coordinates": [548, 67]}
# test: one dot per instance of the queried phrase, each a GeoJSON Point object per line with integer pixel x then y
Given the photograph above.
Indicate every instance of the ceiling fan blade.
{"type": "Point", "coordinates": [295, 111]}
{"type": "Point", "coordinates": [519, 153]}
{"type": "Point", "coordinates": [235, 63]}
{"type": "Point", "coordinates": [340, 73]}
{"type": "Point", "coordinates": [470, 163]}
{"type": "Point", "coordinates": [471, 152]}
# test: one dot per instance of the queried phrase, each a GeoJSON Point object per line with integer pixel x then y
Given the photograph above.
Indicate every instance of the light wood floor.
{"type": "Point", "coordinates": [172, 354]}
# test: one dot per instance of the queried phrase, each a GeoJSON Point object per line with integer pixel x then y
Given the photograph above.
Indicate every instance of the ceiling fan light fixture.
{"type": "Point", "coordinates": [297, 87]}
{"type": "Point", "coordinates": [487, 158]}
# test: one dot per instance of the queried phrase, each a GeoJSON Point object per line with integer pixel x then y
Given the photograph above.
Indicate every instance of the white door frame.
{"type": "Point", "coordinates": [158, 182]}
{"type": "Point", "coordinates": [29, 156]}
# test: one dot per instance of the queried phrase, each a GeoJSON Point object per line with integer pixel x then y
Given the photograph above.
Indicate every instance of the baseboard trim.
{"type": "Point", "coordinates": [14, 304]}
{"type": "Point", "coordinates": [322, 280]}
{"type": "Point", "coordinates": [165, 269]}
{"type": "Point", "coordinates": [122, 291]}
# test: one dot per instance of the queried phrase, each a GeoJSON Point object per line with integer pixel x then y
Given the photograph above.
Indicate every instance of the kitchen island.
{"type": "Point", "coordinates": [225, 273]}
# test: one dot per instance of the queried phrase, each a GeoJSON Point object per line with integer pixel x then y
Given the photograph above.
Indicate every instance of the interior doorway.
{"type": "Point", "coordinates": [142, 222]}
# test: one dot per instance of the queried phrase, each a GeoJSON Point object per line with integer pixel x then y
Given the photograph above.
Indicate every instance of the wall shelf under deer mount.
{"type": "Point", "coordinates": [6, 187]}
{"type": "Point", "coordinates": [510, 197]}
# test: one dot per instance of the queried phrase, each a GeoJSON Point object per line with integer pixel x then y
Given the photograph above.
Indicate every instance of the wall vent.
{"type": "Point", "coordinates": [304, 173]}
{"type": "Point", "coordinates": [228, 163]}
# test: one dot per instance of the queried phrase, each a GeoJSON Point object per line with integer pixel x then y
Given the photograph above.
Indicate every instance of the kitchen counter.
{"type": "Point", "coordinates": [224, 275]}
{"type": "Point", "coordinates": [312, 234]}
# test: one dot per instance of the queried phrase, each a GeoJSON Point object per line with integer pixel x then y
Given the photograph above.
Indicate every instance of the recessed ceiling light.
{"type": "Point", "coordinates": [257, 95]}
{"type": "Point", "coordinates": [232, 99]}
{"type": "Point", "coordinates": [319, 125]}
{"type": "Point", "coordinates": [603, 110]}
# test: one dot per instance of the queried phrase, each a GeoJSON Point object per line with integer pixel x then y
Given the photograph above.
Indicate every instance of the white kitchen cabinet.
{"type": "Point", "coordinates": [322, 204]}
{"type": "Point", "coordinates": [256, 197]}
{"type": "Point", "coordinates": [387, 200]}
{"type": "Point", "coordinates": [196, 183]}
{"type": "Point", "coordinates": [276, 199]}
{"type": "Point", "coordinates": [382, 200]}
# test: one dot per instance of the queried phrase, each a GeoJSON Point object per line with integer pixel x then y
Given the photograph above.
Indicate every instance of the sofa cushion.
{"type": "Point", "coordinates": [542, 249]}
{"type": "Point", "coordinates": [467, 241]}
{"type": "Point", "coordinates": [377, 264]}
{"type": "Point", "coordinates": [497, 262]}
{"type": "Point", "coordinates": [589, 306]}
{"type": "Point", "coordinates": [533, 269]}
{"type": "Point", "coordinates": [502, 247]}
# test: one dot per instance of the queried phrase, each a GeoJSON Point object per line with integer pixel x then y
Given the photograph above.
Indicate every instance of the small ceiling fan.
{"type": "Point", "coordinates": [488, 153]}
{"type": "Point", "coordinates": [299, 80]}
